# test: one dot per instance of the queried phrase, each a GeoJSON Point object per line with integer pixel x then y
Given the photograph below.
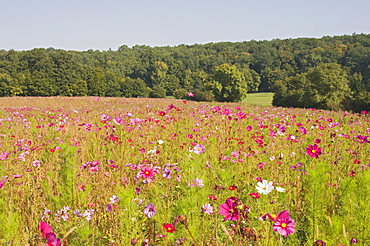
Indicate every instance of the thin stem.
{"type": "Point", "coordinates": [195, 242]}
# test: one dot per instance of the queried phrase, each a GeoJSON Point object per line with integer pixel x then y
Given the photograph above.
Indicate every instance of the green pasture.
{"type": "Point", "coordinates": [263, 98]}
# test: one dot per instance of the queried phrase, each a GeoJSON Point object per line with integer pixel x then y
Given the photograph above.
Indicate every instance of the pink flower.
{"type": "Point", "coordinates": [190, 94]}
{"type": "Point", "coordinates": [196, 182]}
{"type": "Point", "coordinates": [254, 195]}
{"type": "Point", "coordinates": [2, 183]}
{"type": "Point", "coordinates": [284, 225]}
{"type": "Point", "coordinates": [169, 228]}
{"type": "Point", "coordinates": [198, 149]}
{"type": "Point", "coordinates": [45, 228]}
{"type": "Point", "coordinates": [36, 163]}
{"type": "Point", "coordinates": [146, 172]}
{"type": "Point", "coordinates": [207, 209]}
{"type": "Point", "coordinates": [235, 154]}
{"type": "Point", "coordinates": [303, 130]}
{"type": "Point", "coordinates": [4, 156]}
{"type": "Point", "coordinates": [313, 151]}
{"type": "Point", "coordinates": [229, 210]}
{"type": "Point", "coordinates": [51, 238]}
{"type": "Point", "coordinates": [150, 210]}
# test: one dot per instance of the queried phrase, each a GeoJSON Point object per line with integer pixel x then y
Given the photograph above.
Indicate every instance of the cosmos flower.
{"type": "Point", "coordinates": [146, 172]}
{"type": "Point", "coordinates": [169, 228]}
{"type": "Point", "coordinates": [36, 163]}
{"type": "Point", "coordinates": [150, 210]}
{"type": "Point", "coordinates": [196, 182]}
{"type": "Point", "coordinates": [4, 156]}
{"type": "Point", "coordinates": [254, 195]}
{"type": "Point", "coordinates": [264, 187]}
{"type": "Point", "coordinates": [198, 149]}
{"type": "Point", "coordinates": [280, 189]}
{"type": "Point", "coordinates": [51, 238]}
{"type": "Point", "coordinates": [212, 197]}
{"type": "Point", "coordinates": [284, 224]}
{"type": "Point", "coordinates": [114, 199]}
{"type": "Point", "coordinates": [229, 210]}
{"type": "Point", "coordinates": [313, 151]}
{"type": "Point", "coordinates": [207, 209]}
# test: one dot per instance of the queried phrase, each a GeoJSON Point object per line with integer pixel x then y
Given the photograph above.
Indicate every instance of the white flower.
{"type": "Point", "coordinates": [264, 187]}
{"type": "Point", "coordinates": [160, 142]}
{"type": "Point", "coordinates": [280, 189]}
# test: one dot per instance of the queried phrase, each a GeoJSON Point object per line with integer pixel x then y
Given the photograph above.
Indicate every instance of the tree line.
{"type": "Point", "coordinates": [332, 72]}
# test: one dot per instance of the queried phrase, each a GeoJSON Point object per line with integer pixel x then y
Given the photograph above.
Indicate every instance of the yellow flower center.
{"type": "Point", "coordinates": [283, 225]}
{"type": "Point", "coordinates": [313, 151]}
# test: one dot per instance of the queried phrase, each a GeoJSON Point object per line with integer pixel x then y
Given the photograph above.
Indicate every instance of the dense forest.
{"type": "Point", "coordinates": [332, 72]}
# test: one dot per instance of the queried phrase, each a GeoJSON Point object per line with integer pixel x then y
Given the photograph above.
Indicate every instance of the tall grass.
{"type": "Point", "coordinates": [91, 188]}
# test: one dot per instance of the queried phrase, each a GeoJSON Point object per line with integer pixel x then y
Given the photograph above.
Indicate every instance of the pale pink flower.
{"type": "Point", "coordinates": [207, 209]}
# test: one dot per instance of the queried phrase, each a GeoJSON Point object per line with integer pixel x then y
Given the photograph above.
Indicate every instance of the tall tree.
{"type": "Point", "coordinates": [326, 87]}
{"type": "Point", "coordinates": [228, 84]}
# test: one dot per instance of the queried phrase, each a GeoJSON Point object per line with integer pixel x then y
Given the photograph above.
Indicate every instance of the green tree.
{"type": "Point", "coordinates": [252, 79]}
{"type": "Point", "coordinates": [228, 84]}
{"type": "Point", "coordinates": [360, 102]}
{"type": "Point", "coordinates": [356, 84]}
{"type": "Point", "coordinates": [159, 73]}
{"type": "Point", "coordinates": [39, 84]}
{"type": "Point", "coordinates": [113, 87]}
{"type": "Point", "coordinates": [289, 92]}
{"type": "Point", "coordinates": [5, 82]}
{"type": "Point", "coordinates": [67, 74]}
{"type": "Point", "coordinates": [133, 87]}
{"type": "Point", "coordinates": [181, 93]}
{"type": "Point", "coordinates": [326, 87]}
{"type": "Point", "coordinates": [96, 85]}
{"type": "Point", "coordinates": [158, 92]}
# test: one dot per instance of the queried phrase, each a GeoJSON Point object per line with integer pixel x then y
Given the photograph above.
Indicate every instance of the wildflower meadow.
{"type": "Point", "coordinates": [117, 171]}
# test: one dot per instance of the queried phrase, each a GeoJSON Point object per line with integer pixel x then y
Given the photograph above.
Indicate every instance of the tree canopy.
{"type": "Point", "coordinates": [275, 65]}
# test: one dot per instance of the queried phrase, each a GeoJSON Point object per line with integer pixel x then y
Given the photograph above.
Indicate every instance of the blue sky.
{"type": "Point", "coordinates": [100, 25]}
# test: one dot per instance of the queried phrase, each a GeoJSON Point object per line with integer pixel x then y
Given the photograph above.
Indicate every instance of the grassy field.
{"type": "Point", "coordinates": [263, 98]}
{"type": "Point", "coordinates": [139, 171]}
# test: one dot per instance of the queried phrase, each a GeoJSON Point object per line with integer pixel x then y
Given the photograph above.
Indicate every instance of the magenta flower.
{"type": "Point", "coordinates": [313, 151]}
{"type": "Point", "coordinates": [45, 228]}
{"type": "Point", "coordinates": [150, 210]}
{"type": "Point", "coordinates": [284, 225]}
{"type": "Point", "coordinates": [2, 183]}
{"type": "Point", "coordinates": [51, 238]}
{"type": "Point", "coordinates": [229, 210]}
{"type": "Point", "coordinates": [146, 172]}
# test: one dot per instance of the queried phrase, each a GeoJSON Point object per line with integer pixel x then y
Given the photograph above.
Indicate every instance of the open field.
{"type": "Point", "coordinates": [262, 98]}
{"type": "Point", "coordinates": [117, 171]}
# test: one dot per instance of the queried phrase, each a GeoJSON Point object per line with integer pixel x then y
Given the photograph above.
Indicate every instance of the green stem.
{"type": "Point", "coordinates": [191, 235]}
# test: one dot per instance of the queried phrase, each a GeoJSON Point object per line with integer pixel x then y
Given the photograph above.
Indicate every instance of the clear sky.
{"type": "Point", "coordinates": [101, 25]}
